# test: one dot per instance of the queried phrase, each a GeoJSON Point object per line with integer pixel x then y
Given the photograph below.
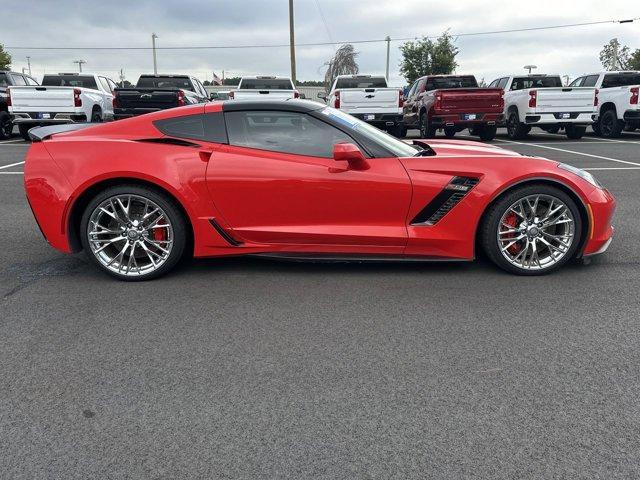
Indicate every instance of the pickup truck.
{"type": "Point", "coordinates": [453, 103]}
{"type": "Point", "coordinates": [62, 98]}
{"type": "Point", "coordinates": [9, 79]}
{"type": "Point", "coordinates": [264, 88]}
{"type": "Point", "coordinates": [618, 105]}
{"type": "Point", "coordinates": [369, 98]}
{"type": "Point", "coordinates": [158, 92]}
{"type": "Point", "coordinates": [541, 101]}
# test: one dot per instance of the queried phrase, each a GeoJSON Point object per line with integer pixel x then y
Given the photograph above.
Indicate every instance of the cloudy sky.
{"type": "Point", "coordinates": [119, 23]}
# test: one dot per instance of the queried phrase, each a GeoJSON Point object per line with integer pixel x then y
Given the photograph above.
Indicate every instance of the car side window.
{"type": "Point", "coordinates": [426, 85]}
{"type": "Point", "coordinates": [209, 127]}
{"type": "Point", "coordinates": [112, 84]}
{"type": "Point", "coordinates": [503, 82]}
{"type": "Point", "coordinates": [494, 83]}
{"type": "Point", "coordinates": [105, 85]}
{"type": "Point", "coordinates": [286, 132]}
{"type": "Point", "coordinates": [412, 90]}
{"type": "Point", "coordinates": [30, 81]}
{"type": "Point", "coordinates": [590, 81]}
{"type": "Point", "coordinates": [577, 82]}
{"type": "Point", "coordinates": [18, 80]}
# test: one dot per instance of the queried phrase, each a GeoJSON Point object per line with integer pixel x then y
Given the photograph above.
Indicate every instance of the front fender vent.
{"type": "Point", "coordinates": [445, 201]}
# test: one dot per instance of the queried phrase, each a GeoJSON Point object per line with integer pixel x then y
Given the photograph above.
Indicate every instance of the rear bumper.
{"type": "Point", "coordinates": [632, 117]}
{"type": "Point", "coordinates": [463, 120]}
{"type": "Point", "coordinates": [380, 119]}
{"type": "Point", "coordinates": [56, 118]}
{"type": "Point", "coordinates": [602, 206]}
{"type": "Point", "coordinates": [560, 118]}
{"type": "Point", "coordinates": [121, 113]}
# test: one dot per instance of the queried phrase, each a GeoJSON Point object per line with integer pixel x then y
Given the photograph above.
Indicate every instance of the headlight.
{"type": "Point", "coordinates": [581, 173]}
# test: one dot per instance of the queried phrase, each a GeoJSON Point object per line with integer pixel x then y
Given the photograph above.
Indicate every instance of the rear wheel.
{"type": "Point", "coordinates": [610, 126]}
{"type": "Point", "coordinates": [449, 132]}
{"type": "Point", "coordinates": [575, 132]}
{"type": "Point", "coordinates": [532, 230]}
{"type": "Point", "coordinates": [133, 232]}
{"type": "Point", "coordinates": [487, 132]}
{"type": "Point", "coordinates": [516, 130]}
{"type": "Point", "coordinates": [6, 126]}
{"type": "Point", "coordinates": [596, 128]}
{"type": "Point", "coordinates": [426, 131]}
{"type": "Point", "coordinates": [24, 131]}
{"type": "Point", "coordinates": [96, 116]}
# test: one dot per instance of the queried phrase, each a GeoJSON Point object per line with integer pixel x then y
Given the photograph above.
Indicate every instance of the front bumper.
{"type": "Point", "coordinates": [55, 118]}
{"type": "Point", "coordinates": [601, 206]}
{"type": "Point", "coordinates": [461, 121]}
{"type": "Point", "coordinates": [560, 118]}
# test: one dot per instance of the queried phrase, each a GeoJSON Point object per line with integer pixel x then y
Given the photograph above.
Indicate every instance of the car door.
{"type": "Point", "coordinates": [277, 183]}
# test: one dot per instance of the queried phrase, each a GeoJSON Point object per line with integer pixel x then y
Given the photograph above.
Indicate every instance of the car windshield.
{"type": "Point", "coordinates": [266, 84]}
{"type": "Point", "coordinates": [397, 147]}
{"type": "Point", "coordinates": [520, 83]}
{"type": "Point", "coordinates": [82, 81]}
{"type": "Point", "coordinates": [361, 82]}
{"type": "Point", "coordinates": [165, 82]}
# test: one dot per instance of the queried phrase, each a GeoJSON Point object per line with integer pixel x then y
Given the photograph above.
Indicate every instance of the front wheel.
{"type": "Point", "coordinates": [532, 230]}
{"type": "Point", "coordinates": [133, 232]}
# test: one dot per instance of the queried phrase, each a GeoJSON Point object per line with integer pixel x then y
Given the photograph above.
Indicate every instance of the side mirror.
{"type": "Point", "coordinates": [348, 152]}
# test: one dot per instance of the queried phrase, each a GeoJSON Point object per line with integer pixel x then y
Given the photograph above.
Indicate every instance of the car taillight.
{"type": "Point", "coordinates": [8, 97]}
{"type": "Point", "coordinates": [181, 101]}
{"type": "Point", "coordinates": [634, 95]}
{"type": "Point", "coordinates": [438, 104]}
{"type": "Point", "coordinates": [336, 101]}
{"type": "Point", "coordinates": [296, 94]}
{"type": "Point", "coordinates": [401, 99]}
{"type": "Point", "coordinates": [77, 101]}
{"type": "Point", "coordinates": [595, 98]}
{"type": "Point", "coordinates": [231, 96]}
{"type": "Point", "coordinates": [115, 100]}
{"type": "Point", "coordinates": [533, 98]}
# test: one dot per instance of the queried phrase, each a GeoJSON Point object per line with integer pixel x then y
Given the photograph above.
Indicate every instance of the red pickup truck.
{"type": "Point", "coordinates": [453, 103]}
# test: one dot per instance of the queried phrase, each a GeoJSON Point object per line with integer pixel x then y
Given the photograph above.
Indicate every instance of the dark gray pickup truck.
{"type": "Point", "coordinates": [157, 92]}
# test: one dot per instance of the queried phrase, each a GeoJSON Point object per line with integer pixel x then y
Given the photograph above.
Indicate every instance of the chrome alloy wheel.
{"type": "Point", "coordinates": [130, 235]}
{"type": "Point", "coordinates": [536, 232]}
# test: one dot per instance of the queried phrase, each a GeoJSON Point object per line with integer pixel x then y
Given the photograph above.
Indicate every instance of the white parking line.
{"type": "Point", "coordinates": [570, 151]}
{"type": "Point", "coordinates": [11, 165]}
{"type": "Point", "coordinates": [590, 139]}
{"type": "Point", "coordinates": [4, 142]}
{"type": "Point", "coordinates": [608, 168]}
{"type": "Point", "coordinates": [11, 173]}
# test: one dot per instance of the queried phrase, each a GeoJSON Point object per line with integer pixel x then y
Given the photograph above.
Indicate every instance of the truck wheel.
{"type": "Point", "coordinates": [24, 131]}
{"type": "Point", "coordinates": [96, 116]}
{"type": "Point", "coordinates": [596, 128]}
{"type": "Point", "coordinates": [575, 132]}
{"type": "Point", "coordinates": [398, 131]}
{"type": "Point", "coordinates": [610, 126]}
{"type": "Point", "coordinates": [516, 130]}
{"type": "Point", "coordinates": [425, 130]}
{"type": "Point", "coordinates": [6, 126]}
{"type": "Point", "coordinates": [474, 131]}
{"type": "Point", "coordinates": [487, 133]}
{"type": "Point", "coordinates": [449, 132]}
{"type": "Point", "coordinates": [629, 129]}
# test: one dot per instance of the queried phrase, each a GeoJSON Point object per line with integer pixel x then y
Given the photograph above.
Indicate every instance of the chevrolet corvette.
{"type": "Point", "coordinates": [299, 180]}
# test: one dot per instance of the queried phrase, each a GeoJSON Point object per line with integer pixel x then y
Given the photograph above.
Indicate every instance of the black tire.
{"type": "Point", "coordinates": [172, 211]}
{"type": "Point", "coordinates": [488, 133]}
{"type": "Point", "coordinates": [554, 129]}
{"type": "Point", "coordinates": [516, 130]}
{"type": "Point", "coordinates": [24, 131]}
{"type": "Point", "coordinates": [398, 131]}
{"type": "Point", "coordinates": [629, 128]}
{"type": "Point", "coordinates": [449, 132]}
{"type": "Point", "coordinates": [425, 130]}
{"type": "Point", "coordinates": [575, 132]}
{"type": "Point", "coordinates": [96, 116]}
{"type": "Point", "coordinates": [6, 126]}
{"type": "Point", "coordinates": [596, 128]}
{"type": "Point", "coordinates": [475, 131]}
{"type": "Point", "coordinates": [489, 227]}
{"type": "Point", "coordinates": [610, 126]}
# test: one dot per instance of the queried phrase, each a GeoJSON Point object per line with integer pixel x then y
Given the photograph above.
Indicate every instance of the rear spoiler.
{"type": "Point", "coordinates": [39, 134]}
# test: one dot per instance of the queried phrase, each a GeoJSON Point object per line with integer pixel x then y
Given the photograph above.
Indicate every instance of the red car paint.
{"type": "Point", "coordinates": [273, 202]}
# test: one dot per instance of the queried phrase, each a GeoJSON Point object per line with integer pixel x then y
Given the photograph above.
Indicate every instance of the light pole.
{"type": "Point", "coordinates": [80, 62]}
{"type": "Point", "coordinates": [155, 60]}
{"type": "Point", "coordinates": [29, 65]}
{"type": "Point", "coordinates": [292, 44]}
{"type": "Point", "coordinates": [529, 67]}
{"type": "Point", "coordinates": [388, 40]}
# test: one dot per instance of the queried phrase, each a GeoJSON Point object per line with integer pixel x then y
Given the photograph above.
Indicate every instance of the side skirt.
{"type": "Point", "coordinates": [348, 258]}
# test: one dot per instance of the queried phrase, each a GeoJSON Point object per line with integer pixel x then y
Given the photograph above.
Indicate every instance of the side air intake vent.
{"type": "Point", "coordinates": [444, 202]}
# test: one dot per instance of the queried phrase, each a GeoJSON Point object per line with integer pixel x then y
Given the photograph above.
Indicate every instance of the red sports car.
{"type": "Point", "coordinates": [299, 180]}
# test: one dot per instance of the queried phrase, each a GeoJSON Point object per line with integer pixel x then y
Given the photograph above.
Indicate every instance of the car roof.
{"type": "Point", "coordinates": [292, 105]}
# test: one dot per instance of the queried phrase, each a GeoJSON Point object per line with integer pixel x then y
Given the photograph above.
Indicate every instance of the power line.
{"type": "Point", "coordinates": [317, 44]}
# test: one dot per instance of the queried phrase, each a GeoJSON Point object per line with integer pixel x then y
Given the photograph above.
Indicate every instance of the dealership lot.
{"type": "Point", "coordinates": [257, 369]}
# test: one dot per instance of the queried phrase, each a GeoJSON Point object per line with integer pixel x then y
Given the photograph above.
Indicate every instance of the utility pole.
{"type": "Point", "coordinates": [292, 44]}
{"type": "Point", "coordinates": [122, 78]}
{"type": "Point", "coordinates": [29, 65]}
{"type": "Point", "coordinates": [80, 62]}
{"type": "Point", "coordinates": [388, 40]}
{"type": "Point", "coordinates": [529, 67]}
{"type": "Point", "coordinates": [155, 60]}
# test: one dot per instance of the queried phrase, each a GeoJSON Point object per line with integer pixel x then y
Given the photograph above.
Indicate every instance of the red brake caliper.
{"type": "Point", "coordinates": [159, 234]}
{"type": "Point", "coordinates": [512, 221]}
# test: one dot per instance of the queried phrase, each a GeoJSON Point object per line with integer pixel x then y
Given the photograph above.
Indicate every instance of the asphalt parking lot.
{"type": "Point", "coordinates": [247, 368]}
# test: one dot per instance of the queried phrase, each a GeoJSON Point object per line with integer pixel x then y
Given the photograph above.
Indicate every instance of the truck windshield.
{"type": "Point", "coordinates": [466, 81]}
{"type": "Point", "coordinates": [397, 147]}
{"type": "Point", "coordinates": [520, 83]}
{"type": "Point", "coordinates": [621, 79]}
{"type": "Point", "coordinates": [266, 84]}
{"type": "Point", "coordinates": [360, 82]}
{"type": "Point", "coordinates": [165, 82]}
{"type": "Point", "coordinates": [82, 81]}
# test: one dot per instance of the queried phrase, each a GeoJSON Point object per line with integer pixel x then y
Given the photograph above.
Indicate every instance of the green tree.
{"type": "Point", "coordinates": [5, 59]}
{"type": "Point", "coordinates": [634, 60]}
{"type": "Point", "coordinates": [231, 81]}
{"type": "Point", "coordinates": [614, 55]}
{"type": "Point", "coordinates": [426, 57]}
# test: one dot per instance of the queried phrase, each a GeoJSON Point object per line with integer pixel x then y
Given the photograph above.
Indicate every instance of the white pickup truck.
{"type": "Point", "coordinates": [62, 98]}
{"type": "Point", "coordinates": [369, 98]}
{"type": "Point", "coordinates": [264, 88]}
{"type": "Point", "coordinates": [541, 101]}
{"type": "Point", "coordinates": [618, 104]}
